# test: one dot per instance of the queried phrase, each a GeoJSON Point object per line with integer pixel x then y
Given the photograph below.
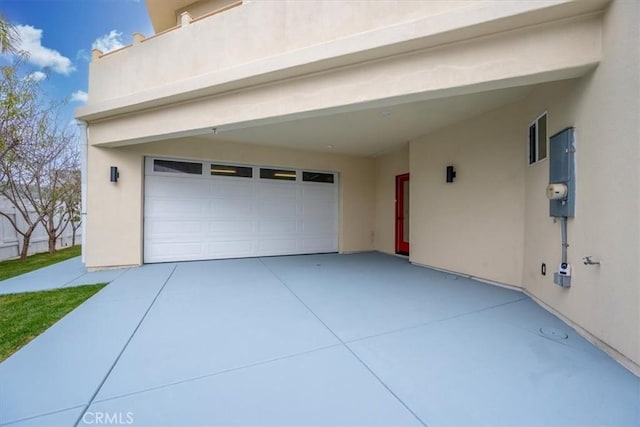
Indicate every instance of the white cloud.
{"type": "Point", "coordinates": [83, 55]}
{"type": "Point", "coordinates": [79, 96]}
{"type": "Point", "coordinates": [108, 42]}
{"type": "Point", "coordinates": [30, 41]}
{"type": "Point", "coordinates": [37, 76]}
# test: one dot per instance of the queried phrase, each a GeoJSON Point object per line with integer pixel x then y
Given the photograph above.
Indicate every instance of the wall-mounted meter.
{"type": "Point", "coordinates": [562, 174]}
{"type": "Point", "coordinates": [557, 191]}
{"type": "Point", "coordinates": [564, 269]}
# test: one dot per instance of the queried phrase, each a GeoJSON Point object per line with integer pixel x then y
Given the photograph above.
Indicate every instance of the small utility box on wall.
{"type": "Point", "coordinates": [562, 179]}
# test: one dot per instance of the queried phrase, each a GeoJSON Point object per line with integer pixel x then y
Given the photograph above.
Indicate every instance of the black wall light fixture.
{"type": "Point", "coordinates": [451, 173]}
{"type": "Point", "coordinates": [114, 174]}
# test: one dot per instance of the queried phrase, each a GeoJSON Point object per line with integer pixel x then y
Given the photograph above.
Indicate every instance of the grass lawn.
{"type": "Point", "coordinates": [26, 315]}
{"type": "Point", "coordinates": [15, 267]}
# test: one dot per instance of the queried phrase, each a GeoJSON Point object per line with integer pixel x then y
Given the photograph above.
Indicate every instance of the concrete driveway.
{"type": "Point", "coordinates": [64, 274]}
{"type": "Point", "coordinates": [362, 339]}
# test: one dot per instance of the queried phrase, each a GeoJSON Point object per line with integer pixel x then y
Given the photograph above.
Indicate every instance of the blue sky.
{"type": "Point", "coordinates": [59, 36]}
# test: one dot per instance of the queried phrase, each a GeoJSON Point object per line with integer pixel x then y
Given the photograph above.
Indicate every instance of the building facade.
{"type": "Point", "coordinates": [257, 128]}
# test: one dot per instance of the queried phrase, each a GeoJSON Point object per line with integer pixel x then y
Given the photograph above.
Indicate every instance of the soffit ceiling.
{"type": "Point", "coordinates": [375, 131]}
{"type": "Point", "coordinates": [162, 12]}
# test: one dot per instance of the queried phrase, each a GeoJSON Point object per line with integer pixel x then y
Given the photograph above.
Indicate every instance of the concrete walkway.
{"type": "Point", "coordinates": [71, 272]}
{"type": "Point", "coordinates": [362, 339]}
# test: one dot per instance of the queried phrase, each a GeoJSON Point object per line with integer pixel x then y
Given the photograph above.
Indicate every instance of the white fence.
{"type": "Point", "coordinates": [11, 241]}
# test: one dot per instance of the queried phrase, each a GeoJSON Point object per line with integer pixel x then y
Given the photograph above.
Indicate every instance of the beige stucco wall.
{"type": "Point", "coordinates": [493, 221]}
{"type": "Point", "coordinates": [475, 224]}
{"type": "Point", "coordinates": [605, 109]}
{"type": "Point", "coordinates": [252, 31]}
{"type": "Point", "coordinates": [388, 166]}
{"type": "Point", "coordinates": [520, 57]}
{"type": "Point", "coordinates": [114, 214]}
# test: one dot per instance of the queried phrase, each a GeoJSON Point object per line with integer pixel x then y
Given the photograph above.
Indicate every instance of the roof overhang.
{"type": "Point", "coordinates": [517, 50]}
{"type": "Point", "coordinates": [163, 12]}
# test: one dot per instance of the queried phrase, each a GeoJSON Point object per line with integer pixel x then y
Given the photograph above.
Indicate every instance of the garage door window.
{"type": "Point", "coordinates": [281, 174]}
{"type": "Point", "coordinates": [177, 167]}
{"type": "Point", "coordinates": [229, 170]}
{"type": "Point", "coordinates": [317, 177]}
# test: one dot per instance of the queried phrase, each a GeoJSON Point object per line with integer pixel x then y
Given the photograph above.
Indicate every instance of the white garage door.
{"type": "Point", "coordinates": [205, 210]}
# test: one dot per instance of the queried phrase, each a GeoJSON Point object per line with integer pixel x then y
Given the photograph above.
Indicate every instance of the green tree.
{"type": "Point", "coordinates": [39, 170]}
{"type": "Point", "coordinates": [20, 174]}
{"type": "Point", "coordinates": [8, 36]}
{"type": "Point", "coordinates": [18, 104]}
{"type": "Point", "coordinates": [71, 201]}
{"type": "Point", "coordinates": [17, 94]}
{"type": "Point", "coordinates": [38, 175]}
{"type": "Point", "coordinates": [58, 181]}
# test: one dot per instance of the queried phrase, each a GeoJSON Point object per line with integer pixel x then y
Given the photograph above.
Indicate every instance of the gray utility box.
{"type": "Point", "coordinates": [559, 279]}
{"type": "Point", "coordinates": [562, 170]}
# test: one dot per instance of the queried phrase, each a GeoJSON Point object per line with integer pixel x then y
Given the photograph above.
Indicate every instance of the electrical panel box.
{"type": "Point", "coordinates": [562, 170]}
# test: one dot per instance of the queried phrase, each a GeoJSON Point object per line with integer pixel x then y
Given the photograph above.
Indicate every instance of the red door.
{"type": "Point", "coordinates": [402, 214]}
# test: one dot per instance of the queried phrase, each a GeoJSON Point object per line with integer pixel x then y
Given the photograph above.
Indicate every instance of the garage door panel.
{"type": "Point", "coordinates": [175, 187]}
{"type": "Point", "coordinates": [279, 208]}
{"type": "Point", "coordinates": [277, 246]}
{"type": "Point", "coordinates": [232, 187]}
{"type": "Point", "coordinates": [319, 192]}
{"type": "Point", "coordinates": [324, 226]}
{"type": "Point", "coordinates": [166, 228]}
{"type": "Point", "coordinates": [318, 207]}
{"type": "Point", "coordinates": [167, 208]}
{"type": "Point", "coordinates": [175, 251]}
{"type": "Point", "coordinates": [230, 208]}
{"type": "Point", "coordinates": [319, 245]}
{"type": "Point", "coordinates": [278, 190]}
{"type": "Point", "coordinates": [191, 217]}
{"type": "Point", "coordinates": [221, 227]}
{"type": "Point", "coordinates": [230, 248]}
{"type": "Point", "coordinates": [318, 214]}
{"type": "Point", "coordinates": [278, 227]}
